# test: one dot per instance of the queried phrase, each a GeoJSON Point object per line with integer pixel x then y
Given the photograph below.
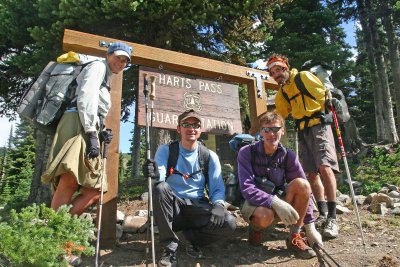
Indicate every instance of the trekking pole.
{"type": "Point", "coordinates": [321, 257]}
{"type": "Point", "coordinates": [105, 153]}
{"type": "Point", "coordinates": [152, 97]}
{"type": "Point", "coordinates": [150, 203]}
{"type": "Point", "coordinates": [335, 120]}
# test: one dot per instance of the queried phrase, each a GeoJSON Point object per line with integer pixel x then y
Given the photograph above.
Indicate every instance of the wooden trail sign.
{"type": "Point", "coordinates": [256, 81]}
{"type": "Point", "coordinates": [217, 102]}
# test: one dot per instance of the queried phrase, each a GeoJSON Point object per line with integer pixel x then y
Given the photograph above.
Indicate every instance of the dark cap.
{"type": "Point", "coordinates": [188, 114]}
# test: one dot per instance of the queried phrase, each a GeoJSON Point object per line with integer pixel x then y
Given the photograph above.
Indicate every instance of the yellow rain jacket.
{"type": "Point", "coordinates": [302, 111]}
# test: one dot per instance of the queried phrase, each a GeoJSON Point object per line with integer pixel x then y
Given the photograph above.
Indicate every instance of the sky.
{"type": "Point", "coordinates": [126, 128]}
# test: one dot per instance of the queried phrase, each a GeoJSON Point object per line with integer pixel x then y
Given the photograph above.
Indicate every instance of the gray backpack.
{"type": "Point", "coordinates": [45, 101]}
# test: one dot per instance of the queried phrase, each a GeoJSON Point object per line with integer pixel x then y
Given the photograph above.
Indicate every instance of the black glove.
{"type": "Point", "coordinates": [217, 216]}
{"type": "Point", "coordinates": [93, 145]}
{"type": "Point", "coordinates": [150, 169]}
{"type": "Point", "coordinates": [106, 136]}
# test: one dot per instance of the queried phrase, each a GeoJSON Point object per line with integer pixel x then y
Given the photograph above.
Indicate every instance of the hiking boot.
{"type": "Point", "coordinates": [320, 223]}
{"type": "Point", "coordinates": [255, 237]}
{"type": "Point", "coordinates": [331, 229]}
{"type": "Point", "coordinates": [296, 243]}
{"type": "Point", "coordinates": [167, 259]}
{"type": "Point", "coordinates": [194, 251]}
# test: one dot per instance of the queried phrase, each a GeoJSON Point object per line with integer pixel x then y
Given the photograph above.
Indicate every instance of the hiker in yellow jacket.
{"type": "Point", "coordinates": [304, 97]}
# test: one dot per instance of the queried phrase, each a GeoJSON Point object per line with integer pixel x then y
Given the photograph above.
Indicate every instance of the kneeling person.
{"type": "Point", "coordinates": [179, 200]}
{"type": "Point", "coordinates": [273, 183]}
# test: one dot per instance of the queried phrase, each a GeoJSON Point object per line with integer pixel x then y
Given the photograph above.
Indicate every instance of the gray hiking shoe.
{"type": "Point", "coordinates": [194, 251]}
{"type": "Point", "coordinates": [320, 223]}
{"type": "Point", "coordinates": [296, 243]}
{"type": "Point", "coordinates": [167, 259]}
{"type": "Point", "coordinates": [331, 229]}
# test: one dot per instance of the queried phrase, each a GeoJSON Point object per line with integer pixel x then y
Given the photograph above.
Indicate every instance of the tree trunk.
{"type": "Point", "coordinates": [389, 129]}
{"type": "Point", "coordinates": [159, 137]}
{"type": "Point", "coordinates": [367, 37]}
{"type": "Point", "coordinates": [393, 47]}
{"type": "Point", "coordinates": [40, 193]}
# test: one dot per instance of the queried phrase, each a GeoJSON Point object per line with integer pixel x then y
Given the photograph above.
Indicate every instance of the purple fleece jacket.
{"type": "Point", "coordinates": [278, 175]}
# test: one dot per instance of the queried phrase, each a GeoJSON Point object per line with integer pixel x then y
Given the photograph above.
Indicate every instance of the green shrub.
{"type": "Point", "coordinates": [380, 168]}
{"type": "Point", "coordinates": [39, 236]}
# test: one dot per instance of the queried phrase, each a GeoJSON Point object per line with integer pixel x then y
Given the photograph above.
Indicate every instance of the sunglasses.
{"type": "Point", "coordinates": [192, 125]}
{"type": "Point", "coordinates": [271, 129]}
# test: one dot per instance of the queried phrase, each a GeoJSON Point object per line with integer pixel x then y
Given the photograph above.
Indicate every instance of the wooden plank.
{"type": "Point", "coordinates": [169, 60]}
{"type": "Point", "coordinates": [109, 216]}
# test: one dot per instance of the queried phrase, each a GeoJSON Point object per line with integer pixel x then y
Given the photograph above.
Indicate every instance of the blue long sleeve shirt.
{"type": "Point", "coordinates": [194, 187]}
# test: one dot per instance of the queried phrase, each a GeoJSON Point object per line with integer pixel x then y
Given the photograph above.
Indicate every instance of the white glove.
{"type": "Point", "coordinates": [313, 236]}
{"type": "Point", "coordinates": [285, 211]}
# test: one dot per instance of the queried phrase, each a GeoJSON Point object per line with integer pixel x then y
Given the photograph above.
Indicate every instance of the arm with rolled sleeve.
{"type": "Point", "coordinates": [246, 175]}
{"type": "Point", "coordinates": [89, 82]}
{"type": "Point", "coordinates": [216, 184]}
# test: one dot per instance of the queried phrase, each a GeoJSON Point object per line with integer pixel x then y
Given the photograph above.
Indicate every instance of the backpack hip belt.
{"type": "Point", "coordinates": [303, 124]}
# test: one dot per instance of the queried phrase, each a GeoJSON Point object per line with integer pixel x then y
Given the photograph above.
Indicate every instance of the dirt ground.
{"type": "Point", "coordinates": [381, 234]}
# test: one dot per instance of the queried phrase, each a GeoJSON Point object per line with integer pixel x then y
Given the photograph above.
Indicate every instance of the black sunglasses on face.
{"type": "Point", "coordinates": [193, 125]}
{"type": "Point", "coordinates": [271, 129]}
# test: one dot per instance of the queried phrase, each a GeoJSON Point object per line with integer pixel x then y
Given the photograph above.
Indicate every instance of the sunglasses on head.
{"type": "Point", "coordinates": [271, 129]}
{"type": "Point", "coordinates": [195, 125]}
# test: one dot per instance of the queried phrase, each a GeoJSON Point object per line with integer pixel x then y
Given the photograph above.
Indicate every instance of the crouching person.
{"type": "Point", "coordinates": [274, 186]}
{"type": "Point", "coordinates": [185, 170]}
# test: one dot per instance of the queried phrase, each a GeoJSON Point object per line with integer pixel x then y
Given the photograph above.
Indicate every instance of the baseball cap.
{"type": "Point", "coordinates": [188, 114]}
{"type": "Point", "coordinates": [120, 49]}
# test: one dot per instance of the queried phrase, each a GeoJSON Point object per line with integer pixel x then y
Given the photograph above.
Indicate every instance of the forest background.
{"type": "Point", "coordinates": [239, 32]}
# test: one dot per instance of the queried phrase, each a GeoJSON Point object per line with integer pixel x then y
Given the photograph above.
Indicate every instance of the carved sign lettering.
{"type": "Point", "coordinates": [217, 102]}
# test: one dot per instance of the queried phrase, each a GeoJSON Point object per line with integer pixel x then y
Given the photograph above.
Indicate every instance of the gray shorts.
{"type": "Point", "coordinates": [317, 147]}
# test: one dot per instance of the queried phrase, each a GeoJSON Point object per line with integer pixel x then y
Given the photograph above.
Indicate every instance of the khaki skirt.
{"type": "Point", "coordinates": [68, 155]}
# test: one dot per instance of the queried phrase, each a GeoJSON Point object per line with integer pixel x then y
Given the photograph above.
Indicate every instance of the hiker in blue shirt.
{"type": "Point", "coordinates": [179, 199]}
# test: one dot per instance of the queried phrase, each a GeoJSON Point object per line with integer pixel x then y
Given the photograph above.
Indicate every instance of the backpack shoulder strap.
{"type": "Point", "coordinates": [204, 160]}
{"type": "Point", "coordinates": [302, 88]}
{"type": "Point", "coordinates": [285, 96]}
{"type": "Point", "coordinates": [172, 157]}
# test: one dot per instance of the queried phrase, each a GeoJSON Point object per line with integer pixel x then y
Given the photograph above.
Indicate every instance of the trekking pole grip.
{"type": "Point", "coordinates": [153, 87]}
{"type": "Point", "coordinates": [145, 83]}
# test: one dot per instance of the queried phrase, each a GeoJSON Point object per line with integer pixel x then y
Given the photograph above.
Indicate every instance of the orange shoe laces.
{"type": "Point", "coordinates": [299, 242]}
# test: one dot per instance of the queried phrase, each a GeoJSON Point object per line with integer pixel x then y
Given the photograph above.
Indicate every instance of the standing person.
{"type": "Point", "coordinates": [74, 164]}
{"type": "Point", "coordinates": [318, 156]}
{"type": "Point", "coordinates": [179, 199]}
{"type": "Point", "coordinates": [275, 187]}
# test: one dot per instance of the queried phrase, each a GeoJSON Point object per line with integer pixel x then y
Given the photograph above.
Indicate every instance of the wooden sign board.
{"type": "Point", "coordinates": [217, 102]}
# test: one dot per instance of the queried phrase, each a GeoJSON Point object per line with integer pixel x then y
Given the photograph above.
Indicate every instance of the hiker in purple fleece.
{"type": "Point", "coordinates": [275, 187]}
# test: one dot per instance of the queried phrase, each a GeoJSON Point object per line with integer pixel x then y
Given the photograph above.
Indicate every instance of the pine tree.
{"type": "Point", "coordinates": [19, 167]}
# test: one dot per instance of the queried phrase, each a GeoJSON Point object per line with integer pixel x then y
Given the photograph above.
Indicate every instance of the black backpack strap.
{"type": "Point", "coordinates": [285, 96]}
{"type": "Point", "coordinates": [172, 157]}
{"type": "Point", "coordinates": [204, 160]}
{"type": "Point", "coordinates": [302, 88]}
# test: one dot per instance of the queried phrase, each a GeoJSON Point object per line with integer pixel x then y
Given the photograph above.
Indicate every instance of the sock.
{"type": "Point", "coordinates": [294, 229]}
{"type": "Point", "coordinates": [322, 208]}
{"type": "Point", "coordinates": [332, 209]}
